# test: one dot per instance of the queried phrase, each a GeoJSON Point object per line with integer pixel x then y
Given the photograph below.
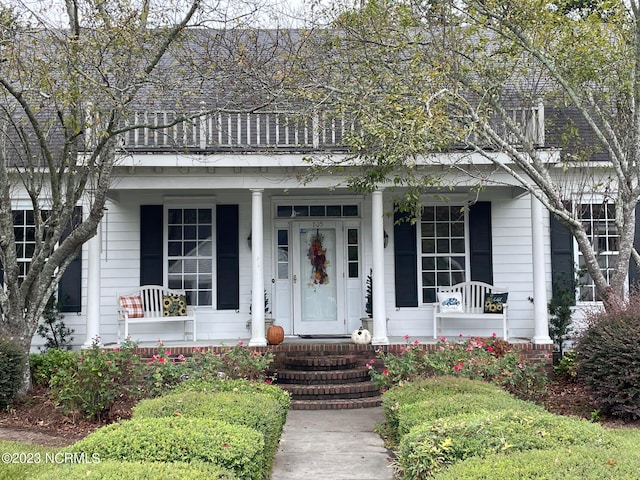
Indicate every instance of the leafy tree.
{"type": "Point", "coordinates": [72, 74]}
{"type": "Point", "coordinates": [421, 84]}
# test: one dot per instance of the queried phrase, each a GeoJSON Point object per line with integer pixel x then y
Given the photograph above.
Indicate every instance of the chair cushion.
{"type": "Point", "coordinates": [133, 305]}
{"type": "Point", "coordinates": [174, 306]}
{"type": "Point", "coordinates": [450, 301]}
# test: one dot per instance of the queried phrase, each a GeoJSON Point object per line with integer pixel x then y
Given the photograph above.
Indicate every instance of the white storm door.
{"type": "Point", "coordinates": [318, 278]}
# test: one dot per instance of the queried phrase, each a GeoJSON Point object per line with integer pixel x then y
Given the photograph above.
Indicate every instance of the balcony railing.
{"type": "Point", "coordinates": [530, 121]}
{"type": "Point", "coordinates": [267, 131]}
{"type": "Point", "coordinates": [287, 131]}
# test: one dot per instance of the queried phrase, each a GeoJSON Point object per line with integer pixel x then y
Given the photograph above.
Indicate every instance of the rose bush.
{"type": "Point", "coordinates": [490, 359]}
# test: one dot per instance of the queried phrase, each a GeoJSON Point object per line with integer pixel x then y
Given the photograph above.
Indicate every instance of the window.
{"type": "Point", "coordinates": [599, 223]}
{"type": "Point", "coordinates": [301, 211]}
{"type": "Point", "coordinates": [25, 232]}
{"type": "Point", "coordinates": [70, 284]}
{"type": "Point", "coordinates": [190, 253]}
{"type": "Point", "coordinates": [442, 252]}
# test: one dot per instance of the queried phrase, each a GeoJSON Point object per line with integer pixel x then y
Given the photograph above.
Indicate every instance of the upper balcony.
{"type": "Point", "coordinates": [269, 132]}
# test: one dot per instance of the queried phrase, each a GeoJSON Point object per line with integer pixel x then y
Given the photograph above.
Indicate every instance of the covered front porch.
{"type": "Point", "coordinates": [258, 240]}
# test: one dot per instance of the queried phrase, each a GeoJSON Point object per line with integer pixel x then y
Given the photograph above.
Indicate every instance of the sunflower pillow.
{"type": "Point", "coordinates": [494, 302]}
{"type": "Point", "coordinates": [174, 306]}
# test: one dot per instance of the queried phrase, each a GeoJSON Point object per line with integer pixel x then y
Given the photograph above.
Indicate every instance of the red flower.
{"type": "Point", "coordinates": [385, 372]}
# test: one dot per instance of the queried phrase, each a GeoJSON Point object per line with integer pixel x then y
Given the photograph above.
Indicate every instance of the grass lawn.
{"type": "Point", "coordinates": [23, 460]}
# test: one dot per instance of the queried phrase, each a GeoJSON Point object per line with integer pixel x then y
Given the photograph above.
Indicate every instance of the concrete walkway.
{"type": "Point", "coordinates": [332, 445]}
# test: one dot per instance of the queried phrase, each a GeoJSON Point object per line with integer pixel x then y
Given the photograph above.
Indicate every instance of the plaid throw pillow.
{"type": "Point", "coordinates": [133, 305]}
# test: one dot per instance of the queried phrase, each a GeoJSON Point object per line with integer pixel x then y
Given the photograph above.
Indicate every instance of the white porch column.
{"type": "Point", "coordinates": [540, 313]}
{"type": "Point", "coordinates": [379, 334]}
{"type": "Point", "coordinates": [258, 336]}
{"type": "Point", "coordinates": [94, 246]}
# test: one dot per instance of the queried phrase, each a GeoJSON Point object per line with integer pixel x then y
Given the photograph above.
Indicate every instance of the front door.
{"type": "Point", "coordinates": [318, 278]}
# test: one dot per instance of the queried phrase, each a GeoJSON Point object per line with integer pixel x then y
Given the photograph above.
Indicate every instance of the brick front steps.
{"type": "Point", "coordinates": [326, 380]}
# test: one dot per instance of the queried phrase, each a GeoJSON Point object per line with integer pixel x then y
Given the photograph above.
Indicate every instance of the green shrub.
{"type": "Point", "coordinates": [575, 463]}
{"type": "Point", "coordinates": [420, 390]}
{"type": "Point", "coordinates": [237, 362]}
{"type": "Point", "coordinates": [12, 364]}
{"type": "Point", "coordinates": [45, 365]}
{"type": "Point", "coordinates": [112, 470]}
{"type": "Point", "coordinates": [439, 407]}
{"type": "Point", "coordinates": [92, 380]}
{"type": "Point", "coordinates": [33, 460]}
{"type": "Point", "coordinates": [234, 447]}
{"type": "Point", "coordinates": [428, 448]}
{"type": "Point", "coordinates": [566, 367]}
{"type": "Point", "coordinates": [97, 378]}
{"type": "Point", "coordinates": [236, 385]}
{"type": "Point", "coordinates": [489, 359]}
{"type": "Point", "coordinates": [53, 328]}
{"type": "Point", "coordinates": [255, 410]}
{"type": "Point", "coordinates": [608, 359]}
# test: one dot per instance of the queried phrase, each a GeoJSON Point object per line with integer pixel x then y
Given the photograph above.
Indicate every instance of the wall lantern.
{"type": "Point", "coordinates": [385, 242]}
{"type": "Point", "coordinates": [249, 240]}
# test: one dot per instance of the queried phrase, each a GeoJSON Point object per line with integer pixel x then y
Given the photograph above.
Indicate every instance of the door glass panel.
{"type": "Point", "coordinates": [283, 254]}
{"type": "Point", "coordinates": [318, 275]}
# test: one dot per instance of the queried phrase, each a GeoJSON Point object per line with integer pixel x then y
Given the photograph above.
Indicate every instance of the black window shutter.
{"type": "Point", "coordinates": [151, 242]}
{"type": "Point", "coordinates": [227, 257]}
{"type": "Point", "coordinates": [480, 254]}
{"type": "Point", "coordinates": [562, 263]}
{"type": "Point", "coordinates": [70, 284]}
{"type": "Point", "coordinates": [405, 261]}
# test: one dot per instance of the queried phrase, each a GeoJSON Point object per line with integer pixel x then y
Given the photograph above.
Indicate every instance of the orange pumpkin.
{"type": "Point", "coordinates": [275, 335]}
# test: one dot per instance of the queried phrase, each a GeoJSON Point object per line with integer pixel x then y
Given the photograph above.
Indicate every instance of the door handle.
{"type": "Point", "coordinates": [295, 279]}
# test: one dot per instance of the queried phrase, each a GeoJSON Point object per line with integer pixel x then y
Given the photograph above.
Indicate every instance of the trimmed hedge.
{"type": "Point", "coordinates": [427, 411]}
{"type": "Point", "coordinates": [112, 470]}
{"type": "Point", "coordinates": [236, 385]}
{"type": "Point", "coordinates": [430, 388]}
{"type": "Point", "coordinates": [254, 410]}
{"type": "Point", "coordinates": [234, 447]}
{"type": "Point", "coordinates": [428, 448]}
{"type": "Point", "coordinates": [575, 463]}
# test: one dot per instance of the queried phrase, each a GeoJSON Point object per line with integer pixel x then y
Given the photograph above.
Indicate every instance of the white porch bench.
{"type": "Point", "coordinates": [151, 309]}
{"type": "Point", "coordinates": [471, 296]}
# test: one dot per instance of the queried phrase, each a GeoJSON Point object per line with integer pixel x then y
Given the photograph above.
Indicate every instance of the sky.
{"type": "Point", "coordinates": [283, 13]}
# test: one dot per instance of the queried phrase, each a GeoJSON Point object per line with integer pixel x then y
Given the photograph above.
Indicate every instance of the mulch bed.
{"type": "Point", "coordinates": [35, 418]}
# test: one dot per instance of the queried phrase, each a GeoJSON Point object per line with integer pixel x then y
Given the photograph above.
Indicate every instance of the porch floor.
{"type": "Point", "coordinates": [294, 340]}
